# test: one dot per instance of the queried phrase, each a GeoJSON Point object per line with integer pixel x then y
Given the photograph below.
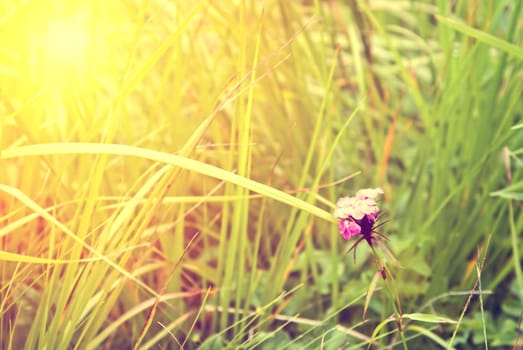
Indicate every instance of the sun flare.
{"type": "Point", "coordinates": [67, 42]}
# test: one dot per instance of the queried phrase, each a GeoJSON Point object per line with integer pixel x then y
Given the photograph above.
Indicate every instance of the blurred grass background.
{"type": "Point", "coordinates": [168, 170]}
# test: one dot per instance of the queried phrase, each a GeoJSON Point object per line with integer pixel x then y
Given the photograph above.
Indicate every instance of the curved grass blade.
{"type": "Point", "coordinates": [167, 158]}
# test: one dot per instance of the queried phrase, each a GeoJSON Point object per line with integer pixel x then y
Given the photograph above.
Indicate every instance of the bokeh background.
{"type": "Point", "coordinates": [169, 169]}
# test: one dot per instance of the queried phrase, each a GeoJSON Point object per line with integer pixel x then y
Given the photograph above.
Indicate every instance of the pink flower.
{"type": "Point", "coordinates": [349, 228]}
{"type": "Point", "coordinates": [358, 214]}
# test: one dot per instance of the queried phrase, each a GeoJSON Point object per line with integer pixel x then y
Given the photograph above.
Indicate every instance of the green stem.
{"type": "Point", "coordinates": [394, 297]}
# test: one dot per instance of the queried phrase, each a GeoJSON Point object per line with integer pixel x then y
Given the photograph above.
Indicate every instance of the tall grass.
{"type": "Point", "coordinates": [173, 186]}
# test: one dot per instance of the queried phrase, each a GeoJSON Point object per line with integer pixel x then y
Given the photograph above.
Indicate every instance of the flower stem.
{"type": "Point", "coordinates": [390, 286]}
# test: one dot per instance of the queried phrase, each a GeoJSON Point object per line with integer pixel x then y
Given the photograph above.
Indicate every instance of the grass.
{"type": "Point", "coordinates": [167, 179]}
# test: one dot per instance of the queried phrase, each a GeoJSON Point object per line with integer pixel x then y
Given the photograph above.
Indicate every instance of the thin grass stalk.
{"type": "Point", "coordinates": [299, 223]}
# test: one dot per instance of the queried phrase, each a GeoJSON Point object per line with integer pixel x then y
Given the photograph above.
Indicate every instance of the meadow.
{"type": "Point", "coordinates": [170, 170]}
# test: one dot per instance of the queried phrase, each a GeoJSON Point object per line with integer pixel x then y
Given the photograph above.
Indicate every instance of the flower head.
{"type": "Point", "coordinates": [358, 214]}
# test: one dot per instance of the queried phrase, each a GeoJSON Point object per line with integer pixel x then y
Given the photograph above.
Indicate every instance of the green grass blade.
{"type": "Point", "coordinates": [482, 36]}
{"type": "Point", "coordinates": [167, 158]}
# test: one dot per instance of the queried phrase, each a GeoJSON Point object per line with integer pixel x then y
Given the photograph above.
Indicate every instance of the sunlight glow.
{"type": "Point", "coordinates": [67, 43]}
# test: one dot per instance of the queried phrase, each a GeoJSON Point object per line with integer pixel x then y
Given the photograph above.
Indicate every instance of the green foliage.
{"type": "Point", "coordinates": [173, 185]}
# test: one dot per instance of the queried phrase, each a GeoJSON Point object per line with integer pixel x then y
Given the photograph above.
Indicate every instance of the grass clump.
{"type": "Point", "coordinates": [168, 178]}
